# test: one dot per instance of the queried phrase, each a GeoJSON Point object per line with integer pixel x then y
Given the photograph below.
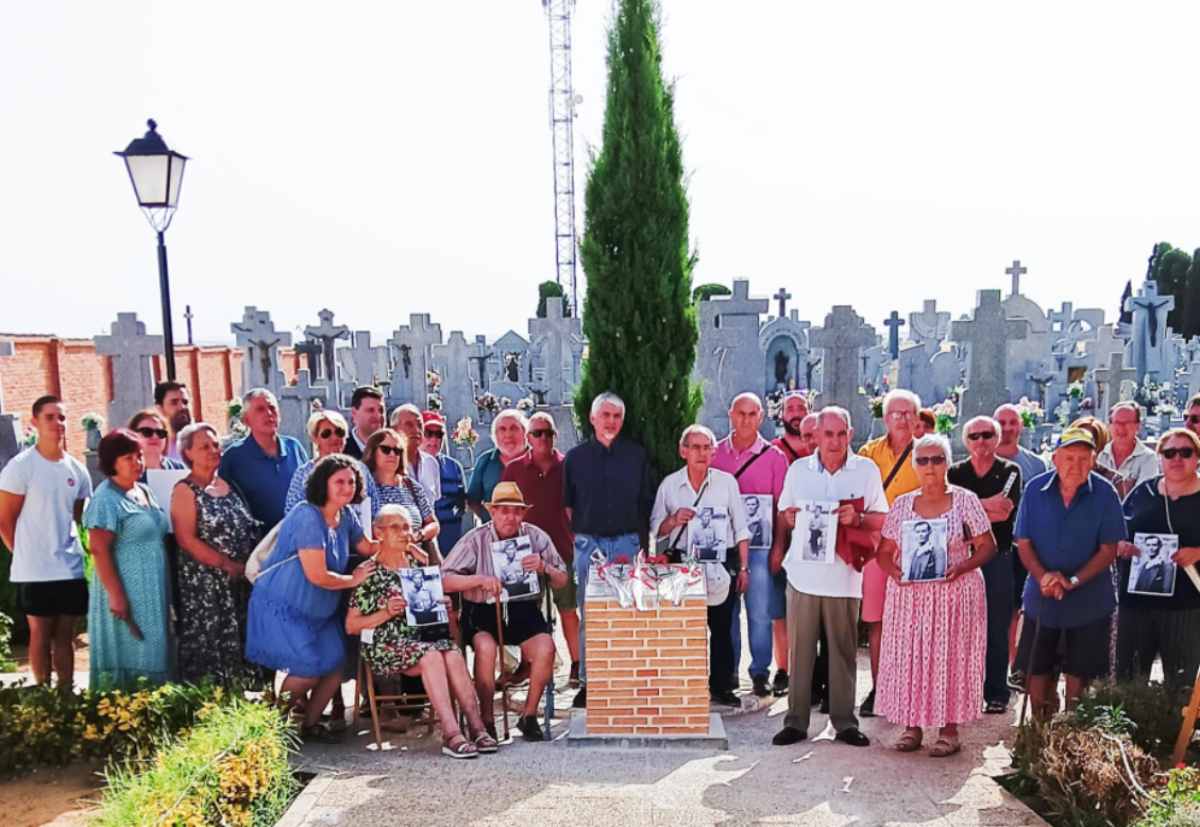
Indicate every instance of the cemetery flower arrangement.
{"type": "Point", "coordinates": [433, 380]}
{"type": "Point", "coordinates": [1075, 390]}
{"type": "Point", "coordinates": [29, 438]}
{"type": "Point", "coordinates": [92, 421]}
{"type": "Point", "coordinates": [775, 406]}
{"type": "Point", "coordinates": [487, 402]}
{"type": "Point", "coordinates": [464, 435]}
{"type": "Point", "coordinates": [1031, 412]}
{"type": "Point", "coordinates": [877, 407]}
{"type": "Point", "coordinates": [7, 664]}
{"type": "Point", "coordinates": [233, 409]}
{"type": "Point", "coordinates": [946, 414]}
{"type": "Point", "coordinates": [525, 405]}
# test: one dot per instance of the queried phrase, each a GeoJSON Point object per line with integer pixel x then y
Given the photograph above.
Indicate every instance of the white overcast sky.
{"type": "Point", "coordinates": [394, 157]}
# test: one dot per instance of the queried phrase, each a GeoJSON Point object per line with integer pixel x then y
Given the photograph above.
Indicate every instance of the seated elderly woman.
{"type": "Point", "coordinates": [934, 632]}
{"type": "Point", "coordinates": [469, 569]}
{"type": "Point", "coordinates": [293, 624]}
{"type": "Point", "coordinates": [327, 430]}
{"type": "Point", "coordinates": [394, 648]}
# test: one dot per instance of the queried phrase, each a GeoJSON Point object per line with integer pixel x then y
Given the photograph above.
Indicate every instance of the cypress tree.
{"type": "Point", "coordinates": [638, 316]}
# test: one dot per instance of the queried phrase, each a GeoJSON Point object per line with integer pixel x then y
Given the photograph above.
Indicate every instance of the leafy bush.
{"type": "Point", "coordinates": [230, 769]}
{"type": "Point", "coordinates": [7, 664]}
{"type": "Point", "coordinates": [1155, 711]}
{"type": "Point", "coordinates": [1176, 803]}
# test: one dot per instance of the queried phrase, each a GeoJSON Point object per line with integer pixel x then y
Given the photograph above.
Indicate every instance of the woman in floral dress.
{"type": "Point", "coordinates": [934, 633]}
{"type": "Point", "coordinates": [214, 528]}
{"type": "Point", "coordinates": [392, 649]}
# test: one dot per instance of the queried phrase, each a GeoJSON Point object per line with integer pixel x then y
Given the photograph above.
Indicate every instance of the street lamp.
{"type": "Point", "coordinates": [156, 173]}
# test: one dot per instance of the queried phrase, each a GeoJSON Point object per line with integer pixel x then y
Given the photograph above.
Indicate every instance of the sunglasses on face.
{"type": "Point", "coordinates": [935, 460]}
{"type": "Point", "coordinates": [1182, 453]}
{"type": "Point", "coordinates": [389, 451]}
{"type": "Point", "coordinates": [541, 432]}
{"type": "Point", "coordinates": [981, 435]}
{"type": "Point", "coordinates": [328, 432]}
{"type": "Point", "coordinates": [435, 434]}
{"type": "Point", "coordinates": [152, 432]}
{"type": "Point", "coordinates": [1192, 419]}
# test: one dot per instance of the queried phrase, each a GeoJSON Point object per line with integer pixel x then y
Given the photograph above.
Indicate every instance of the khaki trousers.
{"type": "Point", "coordinates": [805, 615]}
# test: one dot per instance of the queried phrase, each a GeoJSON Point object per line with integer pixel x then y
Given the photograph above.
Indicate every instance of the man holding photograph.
{"type": "Point", "coordinates": [693, 490]}
{"type": "Point", "coordinates": [826, 595]}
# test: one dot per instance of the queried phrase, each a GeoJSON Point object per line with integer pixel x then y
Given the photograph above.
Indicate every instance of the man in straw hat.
{"type": "Point", "coordinates": [1068, 526]}
{"type": "Point", "coordinates": [469, 569]}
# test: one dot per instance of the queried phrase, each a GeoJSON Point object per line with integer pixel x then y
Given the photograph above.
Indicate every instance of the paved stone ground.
{"type": "Point", "coordinates": [821, 782]}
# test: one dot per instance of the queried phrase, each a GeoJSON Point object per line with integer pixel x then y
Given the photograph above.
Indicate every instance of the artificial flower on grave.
{"type": "Point", "coordinates": [486, 402]}
{"type": "Point", "coordinates": [92, 421]}
{"type": "Point", "coordinates": [433, 380]}
{"type": "Point", "coordinates": [877, 407]}
{"type": "Point", "coordinates": [525, 405]}
{"type": "Point", "coordinates": [775, 406]}
{"type": "Point", "coordinates": [945, 414]}
{"type": "Point", "coordinates": [464, 435]}
{"type": "Point", "coordinates": [433, 401]}
{"type": "Point", "coordinates": [1075, 390]}
{"type": "Point", "coordinates": [233, 409]}
{"type": "Point", "coordinates": [1030, 411]}
{"type": "Point", "coordinates": [29, 438]}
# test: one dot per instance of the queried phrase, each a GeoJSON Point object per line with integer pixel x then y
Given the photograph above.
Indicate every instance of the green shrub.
{"type": "Point", "coordinates": [1155, 711]}
{"type": "Point", "coordinates": [7, 664]}
{"type": "Point", "coordinates": [230, 769]}
{"type": "Point", "coordinates": [1176, 803]}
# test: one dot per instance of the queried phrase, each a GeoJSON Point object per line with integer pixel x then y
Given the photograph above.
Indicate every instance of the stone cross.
{"type": "Point", "coordinates": [132, 353]}
{"type": "Point", "coordinates": [364, 359]}
{"type": "Point", "coordinates": [1016, 270]}
{"type": "Point", "coordinates": [987, 334]}
{"type": "Point", "coordinates": [257, 334]}
{"type": "Point", "coordinates": [1062, 318]}
{"type": "Point", "coordinates": [1148, 347]}
{"type": "Point", "coordinates": [453, 360]}
{"type": "Point", "coordinates": [556, 330]}
{"type": "Point", "coordinates": [327, 333]}
{"type": "Point", "coordinates": [1109, 381]}
{"type": "Point", "coordinates": [929, 326]}
{"type": "Point", "coordinates": [893, 323]}
{"type": "Point", "coordinates": [296, 404]}
{"type": "Point", "coordinates": [842, 337]}
{"type": "Point", "coordinates": [782, 297]}
{"type": "Point", "coordinates": [413, 341]}
{"type": "Point", "coordinates": [1040, 378]}
{"type": "Point", "coordinates": [311, 351]}
{"type": "Point", "coordinates": [729, 354]}
{"type": "Point", "coordinates": [480, 355]}
{"type": "Point", "coordinates": [187, 317]}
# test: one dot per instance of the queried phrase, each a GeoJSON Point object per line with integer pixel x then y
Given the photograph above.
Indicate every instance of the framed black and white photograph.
{"type": "Point", "coordinates": [706, 533]}
{"type": "Point", "coordinates": [423, 596]}
{"type": "Point", "coordinates": [759, 513]}
{"type": "Point", "coordinates": [1152, 572]}
{"type": "Point", "coordinates": [507, 555]}
{"type": "Point", "coordinates": [923, 550]}
{"type": "Point", "coordinates": [816, 529]}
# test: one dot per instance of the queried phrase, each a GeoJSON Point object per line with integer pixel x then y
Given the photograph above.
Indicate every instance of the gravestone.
{"type": "Point", "coordinates": [1193, 385]}
{"type": "Point", "coordinates": [947, 373]}
{"type": "Point", "coordinates": [1016, 270]}
{"type": "Point", "coordinates": [782, 297]}
{"type": "Point", "coordinates": [411, 345]}
{"type": "Point", "coordinates": [131, 352]}
{"type": "Point", "coordinates": [784, 343]}
{"type": "Point", "coordinates": [1109, 381]}
{"type": "Point", "coordinates": [296, 406]}
{"type": "Point", "coordinates": [873, 360]}
{"type": "Point", "coordinates": [366, 364]}
{"type": "Point", "coordinates": [842, 339]}
{"type": "Point", "coordinates": [552, 335]}
{"type": "Point", "coordinates": [312, 352]}
{"type": "Point", "coordinates": [914, 371]}
{"type": "Point", "coordinates": [10, 423]}
{"type": "Point", "coordinates": [327, 335]}
{"type": "Point", "coordinates": [893, 323]}
{"type": "Point", "coordinates": [480, 356]}
{"type": "Point", "coordinates": [1041, 379]}
{"type": "Point", "coordinates": [1149, 342]}
{"type": "Point", "coordinates": [930, 326]}
{"type": "Point", "coordinates": [987, 335]}
{"type": "Point", "coordinates": [730, 356]}
{"type": "Point", "coordinates": [256, 333]}
{"type": "Point", "coordinates": [452, 361]}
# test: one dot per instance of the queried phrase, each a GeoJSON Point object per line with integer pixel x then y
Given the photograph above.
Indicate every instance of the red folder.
{"type": "Point", "coordinates": [855, 545]}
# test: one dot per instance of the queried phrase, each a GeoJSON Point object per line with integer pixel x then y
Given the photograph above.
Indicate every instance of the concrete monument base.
{"type": "Point", "coordinates": [578, 736]}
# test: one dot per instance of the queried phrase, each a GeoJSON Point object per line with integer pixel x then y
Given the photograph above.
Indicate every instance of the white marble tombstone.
{"type": "Point", "coordinates": [132, 353]}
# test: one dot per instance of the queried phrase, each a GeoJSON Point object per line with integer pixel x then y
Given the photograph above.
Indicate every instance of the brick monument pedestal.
{"type": "Point", "coordinates": [647, 677]}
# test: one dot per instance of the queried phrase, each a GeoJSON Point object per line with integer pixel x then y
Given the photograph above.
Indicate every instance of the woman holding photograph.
{"type": "Point", "coordinates": [934, 633]}
{"type": "Point", "coordinates": [394, 650]}
{"type": "Point", "coordinates": [1166, 625]}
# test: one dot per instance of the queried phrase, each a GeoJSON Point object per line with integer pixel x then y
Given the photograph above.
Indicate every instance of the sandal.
{"type": "Point", "coordinates": [459, 747]}
{"type": "Point", "coordinates": [944, 747]}
{"type": "Point", "coordinates": [486, 743]}
{"type": "Point", "coordinates": [910, 741]}
{"type": "Point", "coordinates": [321, 734]}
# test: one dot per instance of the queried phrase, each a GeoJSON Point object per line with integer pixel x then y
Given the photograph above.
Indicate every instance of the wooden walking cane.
{"type": "Point", "coordinates": [1188, 729]}
{"type": "Point", "coordinates": [500, 664]}
{"type": "Point", "coordinates": [1037, 632]}
{"type": "Point", "coordinates": [549, 691]}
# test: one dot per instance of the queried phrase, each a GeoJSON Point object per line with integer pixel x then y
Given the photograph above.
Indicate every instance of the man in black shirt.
{"type": "Point", "coordinates": [607, 494]}
{"type": "Point", "coordinates": [366, 417]}
{"type": "Point", "coordinates": [997, 483]}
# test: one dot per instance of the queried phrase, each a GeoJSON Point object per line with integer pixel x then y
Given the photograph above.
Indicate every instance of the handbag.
{"type": "Point", "coordinates": [262, 552]}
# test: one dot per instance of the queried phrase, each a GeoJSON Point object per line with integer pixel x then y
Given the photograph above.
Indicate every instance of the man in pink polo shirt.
{"type": "Point", "coordinates": [759, 468]}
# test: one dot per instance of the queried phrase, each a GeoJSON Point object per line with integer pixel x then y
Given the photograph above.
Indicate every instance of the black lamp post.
{"type": "Point", "coordinates": [156, 173]}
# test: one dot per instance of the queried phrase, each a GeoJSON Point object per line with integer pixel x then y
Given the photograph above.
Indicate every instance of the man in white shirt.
{"type": "Point", "coordinates": [425, 469]}
{"type": "Point", "coordinates": [1125, 453]}
{"type": "Point", "coordinates": [42, 494]}
{"type": "Point", "coordinates": [826, 593]}
{"type": "Point", "coordinates": [681, 497]}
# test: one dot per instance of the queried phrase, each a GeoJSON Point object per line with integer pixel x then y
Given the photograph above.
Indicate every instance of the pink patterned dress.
{"type": "Point", "coordinates": [935, 634]}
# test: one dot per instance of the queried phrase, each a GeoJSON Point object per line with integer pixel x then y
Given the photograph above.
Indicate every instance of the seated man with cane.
{"type": "Point", "coordinates": [469, 569]}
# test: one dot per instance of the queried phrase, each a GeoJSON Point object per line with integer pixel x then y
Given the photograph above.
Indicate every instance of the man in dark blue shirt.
{"type": "Point", "coordinates": [1068, 526]}
{"type": "Point", "coordinates": [261, 465]}
{"type": "Point", "coordinates": [608, 495]}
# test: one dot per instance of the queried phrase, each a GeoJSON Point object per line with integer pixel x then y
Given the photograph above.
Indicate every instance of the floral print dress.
{"type": "Point", "coordinates": [212, 625]}
{"type": "Point", "coordinates": [394, 648]}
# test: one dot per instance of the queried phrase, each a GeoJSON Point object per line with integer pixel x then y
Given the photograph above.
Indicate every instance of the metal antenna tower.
{"type": "Point", "coordinates": [562, 129]}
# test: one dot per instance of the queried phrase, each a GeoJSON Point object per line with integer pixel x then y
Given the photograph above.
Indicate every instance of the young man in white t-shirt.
{"type": "Point", "coordinates": [42, 494]}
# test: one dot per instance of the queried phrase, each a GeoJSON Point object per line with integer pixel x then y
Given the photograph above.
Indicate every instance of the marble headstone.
{"type": "Point", "coordinates": [411, 349]}
{"type": "Point", "coordinates": [987, 335]}
{"type": "Point", "coordinates": [843, 338]}
{"type": "Point", "coordinates": [729, 358]}
{"type": "Point", "coordinates": [257, 335]}
{"type": "Point", "coordinates": [132, 353]}
{"type": "Point", "coordinates": [296, 405]}
{"type": "Point", "coordinates": [451, 360]}
{"type": "Point", "coordinates": [1149, 342]}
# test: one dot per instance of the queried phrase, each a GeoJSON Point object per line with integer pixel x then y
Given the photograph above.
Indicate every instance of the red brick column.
{"type": "Point", "coordinates": [647, 672]}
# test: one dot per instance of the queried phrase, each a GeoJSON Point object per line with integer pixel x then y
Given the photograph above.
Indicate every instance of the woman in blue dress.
{"type": "Point", "coordinates": [293, 624]}
{"type": "Point", "coordinates": [129, 615]}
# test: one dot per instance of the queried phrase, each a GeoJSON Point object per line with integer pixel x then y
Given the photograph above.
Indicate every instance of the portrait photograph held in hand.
{"type": "Point", "coordinates": [1152, 571]}
{"type": "Point", "coordinates": [506, 560]}
{"type": "Point", "coordinates": [759, 510]}
{"type": "Point", "coordinates": [706, 534]}
{"type": "Point", "coordinates": [423, 596]}
{"type": "Point", "coordinates": [923, 550]}
{"type": "Point", "coordinates": [816, 526]}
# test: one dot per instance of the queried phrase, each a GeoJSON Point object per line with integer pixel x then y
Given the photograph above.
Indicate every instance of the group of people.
{"type": "Point", "coordinates": [942, 561]}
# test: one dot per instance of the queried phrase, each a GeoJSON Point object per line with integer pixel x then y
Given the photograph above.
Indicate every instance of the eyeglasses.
{"type": "Point", "coordinates": [152, 432]}
{"type": "Point", "coordinates": [902, 414]}
{"type": "Point", "coordinates": [1182, 453]}
{"type": "Point", "coordinates": [934, 460]}
{"type": "Point", "coordinates": [541, 433]}
{"type": "Point", "coordinates": [389, 451]}
{"type": "Point", "coordinates": [328, 432]}
{"type": "Point", "coordinates": [981, 435]}
{"type": "Point", "coordinates": [1192, 419]}
{"type": "Point", "coordinates": [434, 434]}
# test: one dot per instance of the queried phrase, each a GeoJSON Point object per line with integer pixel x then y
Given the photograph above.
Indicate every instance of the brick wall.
{"type": "Point", "coordinates": [647, 672]}
{"type": "Point", "coordinates": [71, 369]}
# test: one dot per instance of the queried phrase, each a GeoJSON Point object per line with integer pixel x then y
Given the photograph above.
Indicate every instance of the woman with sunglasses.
{"type": "Point", "coordinates": [152, 432]}
{"type": "Point", "coordinates": [328, 432]}
{"type": "Point", "coordinates": [935, 633]}
{"type": "Point", "coordinates": [384, 457]}
{"type": "Point", "coordinates": [1165, 625]}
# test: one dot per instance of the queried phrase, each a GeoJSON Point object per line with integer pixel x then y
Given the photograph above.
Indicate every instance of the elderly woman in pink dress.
{"type": "Point", "coordinates": [935, 617]}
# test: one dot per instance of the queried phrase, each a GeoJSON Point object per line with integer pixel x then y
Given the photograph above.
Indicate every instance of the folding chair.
{"type": "Point", "coordinates": [405, 701]}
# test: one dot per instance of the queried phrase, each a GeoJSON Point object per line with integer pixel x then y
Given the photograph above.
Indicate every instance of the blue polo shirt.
{"type": "Point", "coordinates": [263, 480]}
{"type": "Point", "coordinates": [1064, 539]}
